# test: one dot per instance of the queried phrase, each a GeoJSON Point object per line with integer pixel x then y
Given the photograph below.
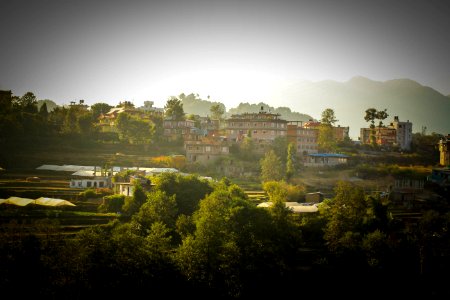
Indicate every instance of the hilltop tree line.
{"type": "Point", "coordinates": [190, 237]}
{"type": "Point", "coordinates": [28, 117]}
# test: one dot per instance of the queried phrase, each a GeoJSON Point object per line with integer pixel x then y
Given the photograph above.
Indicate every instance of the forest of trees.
{"type": "Point", "coordinates": [189, 237]}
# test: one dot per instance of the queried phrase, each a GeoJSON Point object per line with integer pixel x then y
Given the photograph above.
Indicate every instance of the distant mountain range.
{"type": "Point", "coordinates": [405, 98]}
{"type": "Point", "coordinates": [305, 100]}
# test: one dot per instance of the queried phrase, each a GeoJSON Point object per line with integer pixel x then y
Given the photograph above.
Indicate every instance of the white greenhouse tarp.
{"type": "Point", "coordinates": [18, 201]}
{"type": "Point", "coordinates": [52, 202]}
{"type": "Point", "coordinates": [67, 168]}
{"type": "Point", "coordinates": [294, 206]}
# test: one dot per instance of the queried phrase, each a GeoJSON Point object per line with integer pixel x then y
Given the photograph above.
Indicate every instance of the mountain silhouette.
{"type": "Point", "coordinates": [405, 98]}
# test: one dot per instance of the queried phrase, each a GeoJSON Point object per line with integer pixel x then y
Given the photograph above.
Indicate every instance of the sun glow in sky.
{"type": "Point", "coordinates": [226, 84]}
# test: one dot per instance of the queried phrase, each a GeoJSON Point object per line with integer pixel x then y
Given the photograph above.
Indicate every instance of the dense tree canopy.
{"type": "Point", "coordinates": [134, 130]}
{"type": "Point", "coordinates": [100, 108]}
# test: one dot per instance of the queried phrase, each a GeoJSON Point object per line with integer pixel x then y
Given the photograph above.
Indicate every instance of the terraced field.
{"type": "Point", "coordinates": [63, 220]}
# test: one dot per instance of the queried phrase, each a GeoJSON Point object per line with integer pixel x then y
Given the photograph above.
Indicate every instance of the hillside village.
{"type": "Point", "coordinates": [235, 145]}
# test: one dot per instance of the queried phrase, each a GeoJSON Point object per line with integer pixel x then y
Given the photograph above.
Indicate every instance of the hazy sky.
{"type": "Point", "coordinates": [234, 51]}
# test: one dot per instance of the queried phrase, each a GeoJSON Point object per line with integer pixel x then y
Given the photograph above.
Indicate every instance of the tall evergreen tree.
{"type": "Point", "coordinates": [291, 161]}
{"type": "Point", "coordinates": [43, 111]}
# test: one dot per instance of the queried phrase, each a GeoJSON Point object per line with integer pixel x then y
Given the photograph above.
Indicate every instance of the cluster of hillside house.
{"type": "Point", "coordinates": [211, 139]}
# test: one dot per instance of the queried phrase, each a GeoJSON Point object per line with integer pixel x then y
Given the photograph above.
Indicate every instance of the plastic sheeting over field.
{"type": "Point", "coordinates": [67, 168]}
{"type": "Point", "coordinates": [295, 206]}
{"type": "Point", "coordinates": [52, 202]}
{"type": "Point", "coordinates": [18, 201]}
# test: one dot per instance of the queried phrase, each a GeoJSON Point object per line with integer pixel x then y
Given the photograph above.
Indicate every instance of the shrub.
{"type": "Point", "coordinates": [112, 203]}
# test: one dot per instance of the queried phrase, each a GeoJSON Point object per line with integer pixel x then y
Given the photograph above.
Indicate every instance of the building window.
{"type": "Point", "coordinates": [88, 184]}
{"type": "Point", "coordinates": [101, 184]}
{"type": "Point", "coordinates": [255, 131]}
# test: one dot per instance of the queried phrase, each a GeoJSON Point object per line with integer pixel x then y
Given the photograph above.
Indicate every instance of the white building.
{"type": "Point", "coordinates": [404, 133]}
{"type": "Point", "coordinates": [95, 182]}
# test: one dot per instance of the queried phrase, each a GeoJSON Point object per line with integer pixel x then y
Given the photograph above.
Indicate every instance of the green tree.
{"type": "Point", "coordinates": [158, 208]}
{"type": "Point", "coordinates": [371, 115]}
{"type": "Point", "coordinates": [381, 115]}
{"type": "Point", "coordinates": [112, 203]}
{"type": "Point", "coordinates": [51, 105]}
{"type": "Point", "coordinates": [100, 108]}
{"type": "Point", "coordinates": [376, 248]}
{"type": "Point", "coordinates": [134, 203]}
{"type": "Point", "coordinates": [347, 215]}
{"type": "Point", "coordinates": [275, 190]}
{"type": "Point", "coordinates": [328, 117]}
{"type": "Point", "coordinates": [85, 124]}
{"type": "Point", "coordinates": [326, 140]}
{"type": "Point", "coordinates": [70, 125]}
{"type": "Point", "coordinates": [126, 104]}
{"type": "Point", "coordinates": [174, 109]}
{"type": "Point", "coordinates": [291, 161]}
{"type": "Point", "coordinates": [284, 190]}
{"type": "Point", "coordinates": [230, 239]}
{"type": "Point", "coordinates": [43, 112]}
{"type": "Point", "coordinates": [159, 240]}
{"type": "Point", "coordinates": [188, 190]}
{"type": "Point", "coordinates": [134, 130]}
{"type": "Point", "coordinates": [27, 103]}
{"type": "Point", "coordinates": [247, 148]}
{"type": "Point", "coordinates": [271, 167]}
{"type": "Point", "coordinates": [217, 111]}
{"type": "Point", "coordinates": [280, 146]}
{"type": "Point", "coordinates": [185, 226]}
